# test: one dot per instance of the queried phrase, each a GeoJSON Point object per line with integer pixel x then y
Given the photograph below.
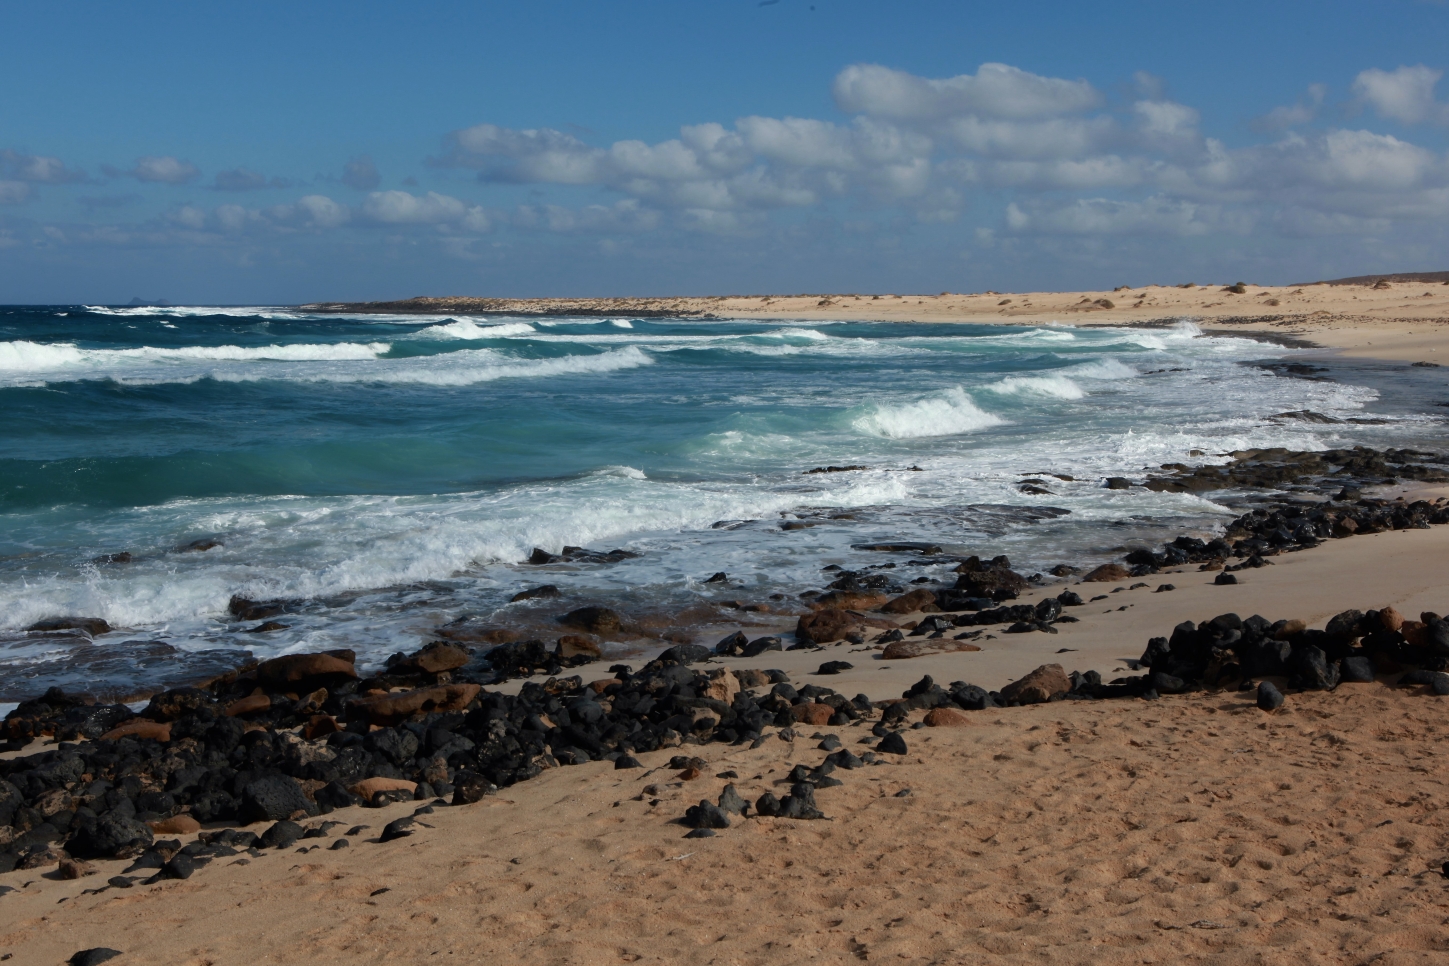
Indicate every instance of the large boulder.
{"type": "Point", "coordinates": [1106, 574]}
{"type": "Point", "coordinates": [391, 709]}
{"type": "Point", "coordinates": [274, 798]}
{"type": "Point", "coordinates": [594, 620]}
{"type": "Point", "coordinates": [435, 658]}
{"type": "Point", "coordinates": [304, 672]}
{"type": "Point", "coordinates": [823, 626]}
{"type": "Point", "coordinates": [685, 653]}
{"type": "Point", "coordinates": [995, 579]}
{"type": "Point", "coordinates": [911, 602]}
{"type": "Point", "coordinates": [1043, 684]}
{"type": "Point", "coordinates": [110, 834]}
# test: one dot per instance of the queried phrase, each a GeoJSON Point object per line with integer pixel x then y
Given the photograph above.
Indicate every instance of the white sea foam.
{"type": "Point", "coordinates": [621, 323]}
{"type": "Point", "coordinates": [468, 329]}
{"type": "Point", "coordinates": [946, 414]}
{"type": "Point", "coordinates": [1059, 387]}
{"type": "Point", "coordinates": [24, 363]}
{"type": "Point", "coordinates": [468, 367]}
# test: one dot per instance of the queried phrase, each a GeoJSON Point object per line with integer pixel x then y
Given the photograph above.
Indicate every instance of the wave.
{"type": "Point", "coordinates": [1059, 387]}
{"type": "Point", "coordinates": [466, 368]}
{"type": "Point", "coordinates": [196, 311]}
{"type": "Point", "coordinates": [468, 329]}
{"type": "Point", "coordinates": [1105, 368]}
{"type": "Point", "coordinates": [621, 323]}
{"type": "Point", "coordinates": [948, 414]}
{"type": "Point", "coordinates": [36, 359]}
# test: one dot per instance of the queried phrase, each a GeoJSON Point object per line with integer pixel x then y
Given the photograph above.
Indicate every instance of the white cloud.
{"type": "Point", "coordinates": [1405, 94]}
{"type": "Point", "coordinates": [1294, 115]}
{"type": "Point", "coordinates": [1103, 216]}
{"type": "Point", "coordinates": [37, 168]}
{"type": "Point", "coordinates": [14, 192]}
{"type": "Point", "coordinates": [403, 208]}
{"type": "Point", "coordinates": [164, 170]}
{"type": "Point", "coordinates": [995, 90]}
{"type": "Point", "coordinates": [320, 211]}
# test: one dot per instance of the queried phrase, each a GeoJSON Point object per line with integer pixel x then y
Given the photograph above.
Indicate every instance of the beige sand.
{"type": "Point", "coordinates": [1406, 321]}
{"type": "Point", "coordinates": [1191, 829]}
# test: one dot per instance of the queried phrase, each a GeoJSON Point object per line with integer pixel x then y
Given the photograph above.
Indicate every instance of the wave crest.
{"type": "Point", "coordinates": [948, 414]}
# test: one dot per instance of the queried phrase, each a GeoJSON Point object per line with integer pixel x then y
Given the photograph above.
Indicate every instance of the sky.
{"type": "Point", "coordinates": [278, 153]}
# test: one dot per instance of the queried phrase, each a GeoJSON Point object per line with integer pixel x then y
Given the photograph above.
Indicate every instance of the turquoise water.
{"type": "Point", "coordinates": [393, 472]}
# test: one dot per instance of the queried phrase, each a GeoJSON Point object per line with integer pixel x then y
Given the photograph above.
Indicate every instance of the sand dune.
{"type": "Point", "coordinates": [1403, 321]}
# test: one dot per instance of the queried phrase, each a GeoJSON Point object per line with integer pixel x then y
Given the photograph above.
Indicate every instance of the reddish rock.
{"type": "Point", "coordinates": [175, 825]}
{"type": "Point", "coordinates": [251, 704]}
{"type": "Point", "coordinates": [391, 709]}
{"type": "Point", "coordinates": [900, 650]}
{"type": "Point", "coordinates": [946, 718]}
{"type": "Point", "coordinates": [319, 726]}
{"type": "Point", "coordinates": [1290, 629]}
{"type": "Point", "coordinates": [572, 645]}
{"type": "Point", "coordinates": [302, 672]}
{"type": "Point", "coordinates": [848, 600]}
{"type": "Point", "coordinates": [438, 657]}
{"type": "Point", "coordinates": [369, 787]}
{"type": "Point", "coordinates": [1415, 632]}
{"type": "Point", "coordinates": [812, 714]}
{"type": "Point", "coordinates": [75, 869]}
{"type": "Point", "coordinates": [690, 774]}
{"type": "Point", "coordinates": [1041, 685]}
{"type": "Point", "coordinates": [823, 626]}
{"type": "Point", "coordinates": [603, 684]}
{"type": "Point", "coordinates": [911, 603]}
{"type": "Point", "coordinates": [140, 728]}
{"type": "Point", "coordinates": [1106, 574]}
{"type": "Point", "coordinates": [723, 686]}
{"type": "Point", "coordinates": [1391, 619]}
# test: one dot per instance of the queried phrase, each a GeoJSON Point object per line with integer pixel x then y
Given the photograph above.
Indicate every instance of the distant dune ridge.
{"type": "Point", "coordinates": [1396, 316]}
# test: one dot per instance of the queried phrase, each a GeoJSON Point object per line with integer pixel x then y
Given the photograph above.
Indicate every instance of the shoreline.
{"type": "Point", "coordinates": [1389, 320]}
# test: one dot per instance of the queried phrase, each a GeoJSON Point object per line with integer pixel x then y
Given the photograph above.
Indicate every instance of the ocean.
{"type": "Point", "coordinates": [390, 475]}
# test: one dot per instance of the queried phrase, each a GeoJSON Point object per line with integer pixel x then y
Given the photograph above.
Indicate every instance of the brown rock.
{"type": "Point", "coordinates": [299, 672]}
{"type": "Point", "coordinates": [848, 600]}
{"type": "Point", "coordinates": [474, 634]}
{"type": "Point", "coordinates": [369, 787]}
{"type": "Point", "coordinates": [312, 703]}
{"type": "Point", "coordinates": [251, 704]}
{"type": "Point", "coordinates": [390, 709]}
{"type": "Point", "coordinates": [946, 718]}
{"type": "Point", "coordinates": [1391, 619]}
{"type": "Point", "coordinates": [175, 825]}
{"type": "Point", "coordinates": [595, 620]}
{"type": "Point", "coordinates": [1415, 632]}
{"type": "Point", "coordinates": [1290, 629]}
{"type": "Point", "coordinates": [823, 626]}
{"type": "Point", "coordinates": [603, 684]}
{"type": "Point", "coordinates": [723, 686]}
{"type": "Point", "coordinates": [39, 858]}
{"type": "Point", "coordinates": [1107, 573]}
{"type": "Point", "coordinates": [751, 678]}
{"type": "Point", "coordinates": [812, 714]}
{"type": "Point", "coordinates": [437, 657]}
{"type": "Point", "coordinates": [900, 650]}
{"type": "Point", "coordinates": [572, 645]}
{"type": "Point", "coordinates": [75, 869]}
{"type": "Point", "coordinates": [690, 774]}
{"type": "Point", "coordinates": [139, 728]}
{"type": "Point", "coordinates": [1041, 685]}
{"type": "Point", "coordinates": [1346, 527]}
{"type": "Point", "coordinates": [910, 603]}
{"type": "Point", "coordinates": [319, 726]}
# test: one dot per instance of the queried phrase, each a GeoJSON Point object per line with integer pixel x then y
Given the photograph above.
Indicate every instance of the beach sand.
{"type": "Point", "coordinates": [1188, 829]}
{"type": "Point", "coordinates": [1403, 322]}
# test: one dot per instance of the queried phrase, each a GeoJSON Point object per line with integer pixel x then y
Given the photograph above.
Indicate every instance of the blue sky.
{"type": "Point", "coordinates": [279, 153]}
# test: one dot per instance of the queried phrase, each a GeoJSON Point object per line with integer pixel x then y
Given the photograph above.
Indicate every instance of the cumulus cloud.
{"type": "Point", "coordinates": [14, 192]}
{"type": "Point", "coordinates": [38, 169]}
{"type": "Point", "coordinates": [1404, 94]}
{"type": "Point", "coordinates": [159, 170]}
{"type": "Point", "coordinates": [995, 90]}
{"type": "Point", "coordinates": [403, 208]}
{"type": "Point", "coordinates": [360, 173]}
{"type": "Point", "coordinates": [1294, 115]}
{"type": "Point", "coordinates": [244, 179]}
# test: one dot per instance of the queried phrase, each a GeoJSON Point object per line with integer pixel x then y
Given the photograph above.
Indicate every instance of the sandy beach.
{"type": "Point", "coordinates": [1195, 828]}
{"type": "Point", "coordinates": [1380, 318]}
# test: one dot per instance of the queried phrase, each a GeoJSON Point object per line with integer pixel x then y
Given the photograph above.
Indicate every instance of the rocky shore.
{"type": "Point", "coordinates": [281, 745]}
